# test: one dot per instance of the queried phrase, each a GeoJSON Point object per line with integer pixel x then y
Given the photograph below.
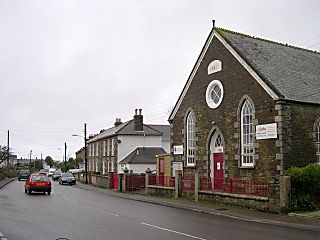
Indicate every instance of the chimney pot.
{"type": "Point", "coordinates": [140, 111]}
{"type": "Point", "coordinates": [136, 112]}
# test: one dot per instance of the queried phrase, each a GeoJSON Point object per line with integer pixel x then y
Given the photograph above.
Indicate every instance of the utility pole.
{"type": "Point", "coordinates": [85, 153]}
{"type": "Point", "coordinates": [30, 158]}
{"type": "Point", "coordinates": [8, 150]}
{"type": "Point", "coordinates": [65, 157]}
{"type": "Point", "coordinates": [41, 161]}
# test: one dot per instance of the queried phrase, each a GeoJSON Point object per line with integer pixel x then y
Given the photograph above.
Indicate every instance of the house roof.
{"type": "Point", "coordinates": [126, 128]}
{"type": "Point", "coordinates": [143, 155]}
{"type": "Point", "coordinates": [293, 72]}
{"type": "Point", "coordinates": [165, 129]}
{"type": "Point", "coordinates": [285, 72]}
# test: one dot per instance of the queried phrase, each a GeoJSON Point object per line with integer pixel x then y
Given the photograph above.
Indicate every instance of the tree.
{"type": "Point", "coordinates": [4, 153]}
{"type": "Point", "coordinates": [49, 161]}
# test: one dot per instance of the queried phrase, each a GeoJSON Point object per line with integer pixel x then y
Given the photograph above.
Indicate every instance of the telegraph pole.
{"type": "Point", "coordinates": [65, 157]}
{"type": "Point", "coordinates": [85, 153]}
{"type": "Point", "coordinates": [8, 150]}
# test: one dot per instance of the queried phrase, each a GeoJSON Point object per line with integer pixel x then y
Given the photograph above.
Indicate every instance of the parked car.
{"type": "Point", "coordinates": [56, 175]}
{"type": "Point", "coordinates": [23, 175]}
{"type": "Point", "coordinates": [44, 171]}
{"type": "Point", "coordinates": [67, 178]}
{"type": "Point", "coordinates": [37, 183]}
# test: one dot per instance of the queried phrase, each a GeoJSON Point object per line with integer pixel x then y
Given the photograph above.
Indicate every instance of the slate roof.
{"type": "Point", "coordinates": [126, 128]}
{"type": "Point", "coordinates": [294, 73]}
{"type": "Point", "coordinates": [165, 129]}
{"type": "Point", "coordinates": [143, 155]}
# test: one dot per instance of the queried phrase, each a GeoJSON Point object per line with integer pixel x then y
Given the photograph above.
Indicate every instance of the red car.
{"type": "Point", "coordinates": [37, 183]}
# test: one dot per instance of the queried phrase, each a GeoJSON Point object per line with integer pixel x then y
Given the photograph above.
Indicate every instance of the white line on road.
{"type": "Point", "coordinates": [101, 210]}
{"type": "Point", "coordinates": [169, 230]}
{"type": "Point", "coordinates": [70, 200]}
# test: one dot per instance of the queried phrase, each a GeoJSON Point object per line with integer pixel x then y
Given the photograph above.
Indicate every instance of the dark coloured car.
{"type": "Point", "coordinates": [23, 175]}
{"type": "Point", "coordinates": [56, 175]}
{"type": "Point", "coordinates": [38, 183]}
{"type": "Point", "coordinates": [67, 178]}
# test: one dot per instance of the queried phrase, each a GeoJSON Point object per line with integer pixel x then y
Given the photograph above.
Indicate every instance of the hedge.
{"type": "Point", "coordinates": [305, 187]}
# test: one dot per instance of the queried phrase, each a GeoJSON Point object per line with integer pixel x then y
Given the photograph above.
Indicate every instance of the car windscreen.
{"type": "Point", "coordinates": [39, 178]}
{"type": "Point", "coordinates": [57, 172]}
{"type": "Point", "coordinates": [24, 172]}
{"type": "Point", "coordinates": [67, 175]}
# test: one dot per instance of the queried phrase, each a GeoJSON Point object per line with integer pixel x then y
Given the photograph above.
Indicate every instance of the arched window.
{"type": "Point", "coordinates": [191, 143]}
{"type": "Point", "coordinates": [318, 140]}
{"type": "Point", "coordinates": [247, 150]}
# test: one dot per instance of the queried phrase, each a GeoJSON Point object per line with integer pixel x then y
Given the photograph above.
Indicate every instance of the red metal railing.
{"type": "Point", "coordinates": [165, 181]}
{"type": "Point", "coordinates": [136, 182]}
{"type": "Point", "coordinates": [188, 183]}
{"type": "Point", "coordinates": [161, 180]}
{"type": "Point", "coordinates": [152, 179]}
{"type": "Point", "coordinates": [236, 186]}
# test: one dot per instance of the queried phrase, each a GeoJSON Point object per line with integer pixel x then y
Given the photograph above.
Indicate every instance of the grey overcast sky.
{"type": "Point", "coordinates": [67, 62]}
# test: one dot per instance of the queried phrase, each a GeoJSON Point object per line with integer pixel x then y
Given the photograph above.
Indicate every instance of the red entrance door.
{"type": "Point", "coordinates": [115, 182]}
{"type": "Point", "coordinates": [218, 171]}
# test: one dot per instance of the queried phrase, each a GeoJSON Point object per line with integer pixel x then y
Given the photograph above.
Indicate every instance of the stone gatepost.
{"type": "Point", "coordinates": [124, 180]}
{"type": "Point", "coordinates": [148, 172]}
{"type": "Point", "coordinates": [196, 186]}
{"type": "Point", "coordinates": [178, 184]}
{"type": "Point", "coordinates": [285, 188]}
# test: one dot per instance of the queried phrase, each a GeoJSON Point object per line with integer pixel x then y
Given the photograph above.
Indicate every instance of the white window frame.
{"type": "Point", "coordinates": [318, 140]}
{"type": "Point", "coordinates": [247, 135]}
{"type": "Point", "coordinates": [97, 149]}
{"type": "Point", "coordinates": [211, 90]}
{"type": "Point", "coordinates": [112, 147]}
{"type": "Point", "coordinates": [103, 167]}
{"type": "Point", "coordinates": [191, 142]}
{"type": "Point", "coordinates": [97, 168]}
{"type": "Point", "coordinates": [104, 148]}
{"type": "Point", "coordinates": [108, 146]}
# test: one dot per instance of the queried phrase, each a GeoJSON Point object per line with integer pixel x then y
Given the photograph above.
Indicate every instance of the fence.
{"type": "Point", "coordinates": [236, 186]}
{"type": "Point", "coordinates": [188, 183]}
{"type": "Point", "coordinates": [135, 182]}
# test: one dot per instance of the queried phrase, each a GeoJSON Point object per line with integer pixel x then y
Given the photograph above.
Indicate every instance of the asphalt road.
{"type": "Point", "coordinates": [76, 214]}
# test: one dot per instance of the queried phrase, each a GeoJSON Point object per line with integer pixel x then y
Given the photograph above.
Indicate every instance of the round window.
{"type": "Point", "coordinates": [214, 94]}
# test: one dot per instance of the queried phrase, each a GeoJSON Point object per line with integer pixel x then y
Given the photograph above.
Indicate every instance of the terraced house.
{"type": "Point", "coordinates": [110, 146]}
{"type": "Point", "coordinates": [249, 110]}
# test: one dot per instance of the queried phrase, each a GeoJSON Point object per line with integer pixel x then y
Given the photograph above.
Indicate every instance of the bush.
{"type": "Point", "coordinates": [8, 173]}
{"type": "Point", "coordinates": [305, 187]}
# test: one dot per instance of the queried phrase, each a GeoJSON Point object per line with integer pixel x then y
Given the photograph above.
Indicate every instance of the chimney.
{"type": "Point", "coordinates": [117, 122]}
{"type": "Point", "coordinates": [138, 120]}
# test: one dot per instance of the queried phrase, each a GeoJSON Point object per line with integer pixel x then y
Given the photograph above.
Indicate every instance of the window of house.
{"type": "Point", "coordinates": [112, 147]}
{"type": "Point", "coordinates": [191, 143]}
{"type": "Point", "coordinates": [318, 140]}
{"type": "Point", "coordinates": [97, 168]}
{"type": "Point", "coordinates": [108, 144]}
{"type": "Point", "coordinates": [247, 150]}
{"type": "Point", "coordinates": [97, 149]}
{"type": "Point", "coordinates": [104, 148]}
{"type": "Point", "coordinates": [214, 94]}
{"type": "Point", "coordinates": [103, 167]}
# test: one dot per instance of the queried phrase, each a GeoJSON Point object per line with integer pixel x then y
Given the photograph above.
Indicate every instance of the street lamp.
{"type": "Point", "coordinates": [85, 150]}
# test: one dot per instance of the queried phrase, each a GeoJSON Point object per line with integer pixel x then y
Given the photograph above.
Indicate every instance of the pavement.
{"type": "Point", "coordinates": [307, 221]}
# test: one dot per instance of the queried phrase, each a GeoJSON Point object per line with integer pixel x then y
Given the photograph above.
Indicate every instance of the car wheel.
{"type": "Point", "coordinates": [59, 182]}
{"type": "Point", "coordinates": [29, 191]}
{"type": "Point", "coordinates": [25, 190]}
{"type": "Point", "coordinates": [49, 192]}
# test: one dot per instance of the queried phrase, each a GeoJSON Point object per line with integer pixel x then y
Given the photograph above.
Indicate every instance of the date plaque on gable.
{"type": "Point", "coordinates": [214, 66]}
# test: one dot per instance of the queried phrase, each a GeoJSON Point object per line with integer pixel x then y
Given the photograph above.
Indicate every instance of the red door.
{"type": "Point", "coordinates": [115, 182]}
{"type": "Point", "coordinates": [218, 171]}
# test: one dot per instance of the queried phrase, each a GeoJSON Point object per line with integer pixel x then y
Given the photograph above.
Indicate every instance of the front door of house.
{"type": "Point", "coordinates": [218, 171]}
{"type": "Point", "coordinates": [217, 161]}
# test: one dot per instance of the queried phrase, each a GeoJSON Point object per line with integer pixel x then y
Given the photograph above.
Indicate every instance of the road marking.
{"type": "Point", "coordinates": [101, 210]}
{"type": "Point", "coordinates": [70, 200]}
{"type": "Point", "coordinates": [169, 230]}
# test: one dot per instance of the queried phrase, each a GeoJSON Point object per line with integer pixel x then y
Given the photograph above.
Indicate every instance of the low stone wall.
{"type": "Point", "coordinates": [160, 191]}
{"type": "Point", "coordinates": [261, 203]}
